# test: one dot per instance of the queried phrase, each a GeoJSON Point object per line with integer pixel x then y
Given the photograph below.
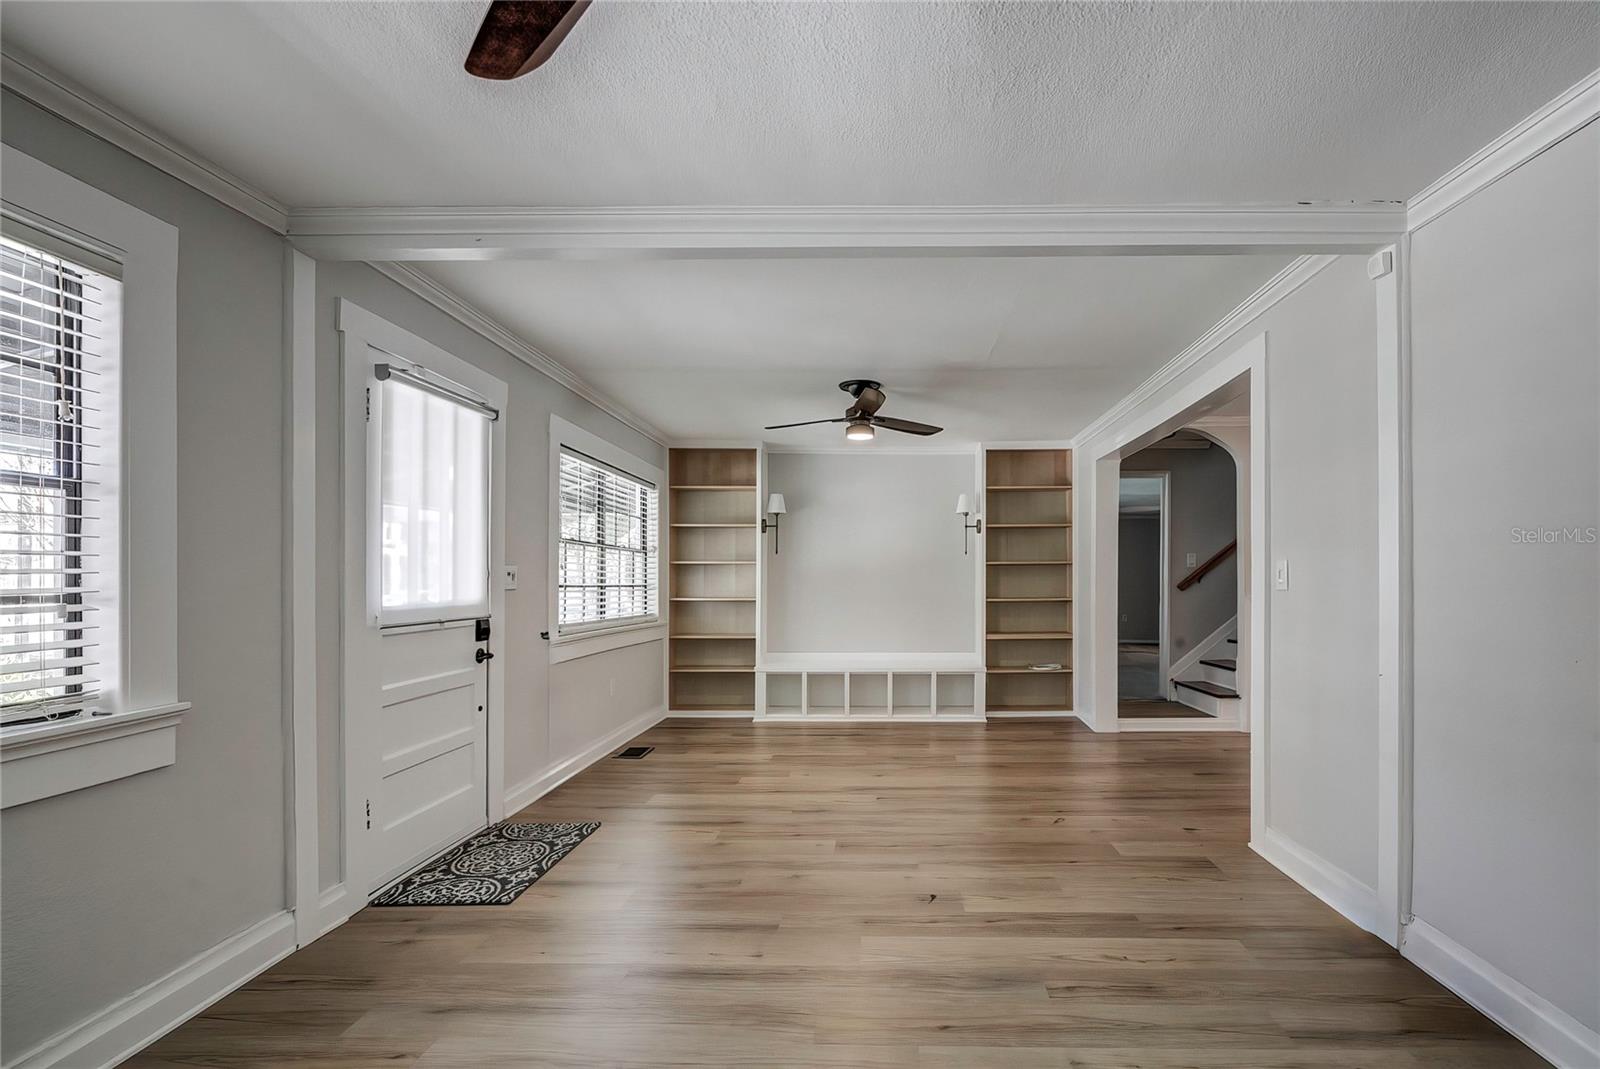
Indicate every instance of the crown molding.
{"type": "Point", "coordinates": [1563, 116]}
{"type": "Point", "coordinates": [57, 94]}
{"type": "Point", "coordinates": [540, 233]}
{"type": "Point", "coordinates": [1276, 289]}
{"type": "Point", "coordinates": [494, 332]}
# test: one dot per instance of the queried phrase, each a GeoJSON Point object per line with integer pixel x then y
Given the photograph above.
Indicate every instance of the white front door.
{"type": "Point", "coordinates": [419, 555]}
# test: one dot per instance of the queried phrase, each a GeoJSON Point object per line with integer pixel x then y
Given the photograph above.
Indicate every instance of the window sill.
{"type": "Point", "coordinates": [588, 643]}
{"type": "Point", "coordinates": [44, 760]}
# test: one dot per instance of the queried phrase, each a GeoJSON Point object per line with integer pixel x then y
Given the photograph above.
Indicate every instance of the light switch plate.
{"type": "Point", "coordinates": [1189, 561]}
{"type": "Point", "coordinates": [510, 576]}
{"type": "Point", "coordinates": [1280, 575]}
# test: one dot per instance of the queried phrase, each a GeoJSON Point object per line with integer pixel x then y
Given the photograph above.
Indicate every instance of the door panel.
{"type": "Point", "coordinates": [422, 538]}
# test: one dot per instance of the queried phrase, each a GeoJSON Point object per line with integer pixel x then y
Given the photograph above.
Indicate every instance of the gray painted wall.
{"type": "Point", "coordinates": [871, 555]}
{"type": "Point", "coordinates": [1139, 579]}
{"type": "Point", "coordinates": [1203, 504]}
{"type": "Point", "coordinates": [107, 889]}
{"type": "Point", "coordinates": [1506, 436]}
{"type": "Point", "coordinates": [552, 711]}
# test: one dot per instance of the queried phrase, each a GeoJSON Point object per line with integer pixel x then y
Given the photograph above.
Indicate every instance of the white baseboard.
{"type": "Point", "coordinates": [335, 906]}
{"type": "Point", "coordinates": [1135, 724]}
{"type": "Point", "coordinates": [127, 1026]}
{"type": "Point", "coordinates": [530, 791]}
{"type": "Point", "coordinates": [1348, 896]}
{"type": "Point", "coordinates": [721, 714]}
{"type": "Point", "coordinates": [1555, 1034]}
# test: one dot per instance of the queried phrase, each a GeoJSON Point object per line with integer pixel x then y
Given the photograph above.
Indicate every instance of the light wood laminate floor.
{"type": "Point", "coordinates": [1017, 895]}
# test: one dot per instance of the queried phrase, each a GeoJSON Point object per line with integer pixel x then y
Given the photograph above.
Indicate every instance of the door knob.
{"type": "Point", "coordinates": [482, 655]}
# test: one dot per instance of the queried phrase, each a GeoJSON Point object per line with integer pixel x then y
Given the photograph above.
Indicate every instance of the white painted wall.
{"type": "Point", "coordinates": [1322, 515]}
{"type": "Point", "coordinates": [1506, 435]}
{"type": "Point", "coordinates": [552, 711]}
{"type": "Point", "coordinates": [871, 559]}
{"type": "Point", "coordinates": [108, 889]}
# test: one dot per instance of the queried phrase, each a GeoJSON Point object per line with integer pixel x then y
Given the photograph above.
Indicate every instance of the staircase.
{"type": "Point", "coordinates": [1212, 690]}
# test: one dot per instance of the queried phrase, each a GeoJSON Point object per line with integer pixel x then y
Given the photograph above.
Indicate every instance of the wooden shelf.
{"type": "Point", "coordinates": [1029, 489]}
{"type": "Point", "coordinates": [712, 552]}
{"type": "Point", "coordinates": [1035, 599]}
{"type": "Point", "coordinates": [1016, 526]}
{"type": "Point", "coordinates": [1013, 670]}
{"type": "Point", "coordinates": [1026, 563]}
{"type": "Point", "coordinates": [1013, 708]}
{"type": "Point", "coordinates": [1026, 636]}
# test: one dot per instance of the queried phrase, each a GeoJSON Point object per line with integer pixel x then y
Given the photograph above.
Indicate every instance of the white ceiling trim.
{"type": "Point", "coordinates": [56, 93]}
{"type": "Point", "coordinates": [1277, 288]}
{"type": "Point", "coordinates": [978, 230]}
{"type": "Point", "coordinates": [491, 330]}
{"type": "Point", "coordinates": [1563, 116]}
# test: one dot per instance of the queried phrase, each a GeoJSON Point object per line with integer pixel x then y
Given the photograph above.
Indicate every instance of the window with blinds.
{"type": "Point", "coordinates": [52, 354]}
{"type": "Point", "coordinates": [608, 558]}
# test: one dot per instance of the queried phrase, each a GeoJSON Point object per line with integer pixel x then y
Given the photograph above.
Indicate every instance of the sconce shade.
{"type": "Point", "coordinates": [776, 505]}
{"type": "Point", "coordinates": [963, 506]}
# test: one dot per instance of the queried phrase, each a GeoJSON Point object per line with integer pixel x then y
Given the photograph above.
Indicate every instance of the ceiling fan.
{"type": "Point", "coordinates": [862, 415]}
{"type": "Point", "coordinates": [518, 35]}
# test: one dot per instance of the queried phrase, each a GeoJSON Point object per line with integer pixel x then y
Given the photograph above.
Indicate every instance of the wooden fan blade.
{"type": "Point", "coordinates": [807, 423]}
{"type": "Point", "coordinates": [869, 401]}
{"type": "Point", "coordinates": [905, 426]}
{"type": "Point", "coordinates": [518, 35]}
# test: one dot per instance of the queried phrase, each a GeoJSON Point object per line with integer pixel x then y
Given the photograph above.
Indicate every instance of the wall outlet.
{"type": "Point", "coordinates": [1124, 617]}
{"type": "Point", "coordinates": [510, 576]}
{"type": "Point", "coordinates": [1190, 560]}
{"type": "Point", "coordinates": [1280, 575]}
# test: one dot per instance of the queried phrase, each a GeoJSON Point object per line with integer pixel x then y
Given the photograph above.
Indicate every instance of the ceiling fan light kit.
{"type": "Point", "coordinates": [860, 431]}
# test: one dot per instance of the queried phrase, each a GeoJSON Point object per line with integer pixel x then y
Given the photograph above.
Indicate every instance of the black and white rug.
{"type": "Point", "coordinates": [490, 869]}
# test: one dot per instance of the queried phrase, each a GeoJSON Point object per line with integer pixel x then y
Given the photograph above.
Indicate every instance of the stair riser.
{"type": "Point", "coordinates": [1211, 674]}
{"type": "Point", "coordinates": [1205, 702]}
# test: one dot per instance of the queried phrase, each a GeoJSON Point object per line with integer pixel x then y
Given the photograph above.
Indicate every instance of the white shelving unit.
{"type": "Point", "coordinates": [824, 687]}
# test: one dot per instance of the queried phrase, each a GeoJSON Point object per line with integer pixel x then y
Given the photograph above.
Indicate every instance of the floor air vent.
{"type": "Point", "coordinates": [635, 753]}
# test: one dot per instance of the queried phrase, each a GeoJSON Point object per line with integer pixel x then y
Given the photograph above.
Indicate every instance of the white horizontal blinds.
{"type": "Point", "coordinates": [51, 357]}
{"type": "Point", "coordinates": [609, 550]}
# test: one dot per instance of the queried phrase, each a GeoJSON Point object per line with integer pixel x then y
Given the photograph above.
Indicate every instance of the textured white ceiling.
{"type": "Point", "coordinates": [834, 103]}
{"type": "Point", "coordinates": [989, 348]}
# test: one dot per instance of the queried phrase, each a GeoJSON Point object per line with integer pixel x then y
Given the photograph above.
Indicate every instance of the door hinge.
{"type": "Point", "coordinates": [369, 404]}
{"type": "Point", "coordinates": [369, 814]}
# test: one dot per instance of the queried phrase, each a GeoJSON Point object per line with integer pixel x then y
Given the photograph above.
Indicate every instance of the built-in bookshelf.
{"type": "Point", "coordinates": [712, 545]}
{"type": "Point", "coordinates": [1028, 580]}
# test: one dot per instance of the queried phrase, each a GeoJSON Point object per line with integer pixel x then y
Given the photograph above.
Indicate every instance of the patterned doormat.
{"type": "Point", "coordinates": [490, 869]}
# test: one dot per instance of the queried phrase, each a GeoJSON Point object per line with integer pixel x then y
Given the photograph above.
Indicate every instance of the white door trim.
{"type": "Point", "coordinates": [360, 331]}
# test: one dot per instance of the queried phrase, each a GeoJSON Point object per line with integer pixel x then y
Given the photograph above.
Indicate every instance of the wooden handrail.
{"type": "Point", "coordinates": [1216, 558]}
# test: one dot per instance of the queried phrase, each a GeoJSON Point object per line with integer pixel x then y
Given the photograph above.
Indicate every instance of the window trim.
{"type": "Point", "coordinates": [600, 637]}
{"type": "Point", "coordinates": [143, 570]}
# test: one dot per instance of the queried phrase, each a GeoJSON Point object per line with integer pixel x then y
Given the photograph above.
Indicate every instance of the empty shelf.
{"type": "Point", "coordinates": [1027, 635]}
{"type": "Point", "coordinates": [719, 669]}
{"type": "Point", "coordinates": [1024, 563]}
{"type": "Point", "coordinates": [1029, 599]}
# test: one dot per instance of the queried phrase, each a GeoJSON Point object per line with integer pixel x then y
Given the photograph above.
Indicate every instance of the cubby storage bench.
{"type": "Point", "coordinates": [869, 687]}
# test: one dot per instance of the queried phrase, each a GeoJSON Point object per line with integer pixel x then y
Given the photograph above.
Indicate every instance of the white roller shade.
{"type": "Point", "coordinates": [53, 353]}
{"type": "Point", "coordinates": [608, 550]}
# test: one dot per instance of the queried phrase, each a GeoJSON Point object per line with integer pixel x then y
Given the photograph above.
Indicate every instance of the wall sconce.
{"type": "Point", "coordinates": [964, 509]}
{"type": "Point", "coordinates": [775, 508]}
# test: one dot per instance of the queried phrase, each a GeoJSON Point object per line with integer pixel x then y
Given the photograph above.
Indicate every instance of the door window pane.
{"type": "Point", "coordinates": [433, 519]}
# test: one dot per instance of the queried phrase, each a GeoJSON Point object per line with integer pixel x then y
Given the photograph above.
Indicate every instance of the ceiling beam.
{"type": "Point", "coordinates": [713, 233]}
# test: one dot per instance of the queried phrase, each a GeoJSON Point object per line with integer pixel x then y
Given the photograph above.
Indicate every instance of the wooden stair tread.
{"type": "Point", "coordinates": [1230, 664]}
{"type": "Point", "coordinates": [1213, 689]}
